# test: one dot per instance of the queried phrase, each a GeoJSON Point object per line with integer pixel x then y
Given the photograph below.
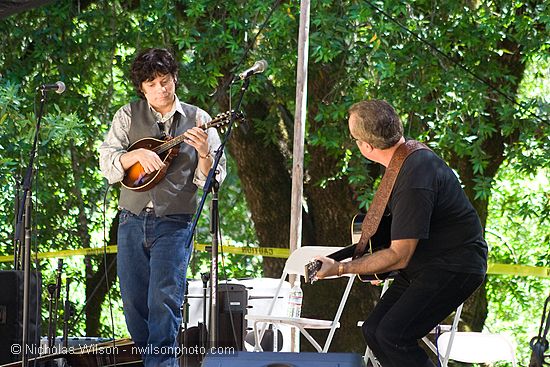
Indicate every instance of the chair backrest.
{"type": "Point", "coordinates": [475, 347]}
{"type": "Point", "coordinates": [296, 262]}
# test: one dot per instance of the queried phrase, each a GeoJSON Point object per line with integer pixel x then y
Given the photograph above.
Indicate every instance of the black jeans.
{"type": "Point", "coordinates": [410, 309]}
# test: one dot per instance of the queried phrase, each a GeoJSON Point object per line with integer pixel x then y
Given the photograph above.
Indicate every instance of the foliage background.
{"type": "Point", "coordinates": [476, 91]}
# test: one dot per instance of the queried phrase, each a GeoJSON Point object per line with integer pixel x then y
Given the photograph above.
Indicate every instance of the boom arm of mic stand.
{"type": "Point", "coordinates": [208, 187]}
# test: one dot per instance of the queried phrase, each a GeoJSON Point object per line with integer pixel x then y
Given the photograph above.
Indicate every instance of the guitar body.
{"type": "Point", "coordinates": [380, 240]}
{"type": "Point", "coordinates": [136, 179]}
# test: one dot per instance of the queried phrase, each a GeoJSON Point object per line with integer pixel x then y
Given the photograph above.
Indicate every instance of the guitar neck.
{"type": "Point", "coordinates": [169, 144]}
{"type": "Point", "coordinates": [219, 121]}
{"type": "Point", "coordinates": [344, 253]}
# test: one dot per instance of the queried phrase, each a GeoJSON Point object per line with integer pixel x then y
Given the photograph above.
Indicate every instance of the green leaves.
{"type": "Point", "coordinates": [439, 87]}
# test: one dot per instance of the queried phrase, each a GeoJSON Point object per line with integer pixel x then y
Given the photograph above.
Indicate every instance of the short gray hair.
{"type": "Point", "coordinates": [376, 123]}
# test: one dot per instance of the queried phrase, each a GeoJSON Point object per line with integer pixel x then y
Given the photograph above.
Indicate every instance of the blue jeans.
{"type": "Point", "coordinates": [410, 309]}
{"type": "Point", "coordinates": [152, 263]}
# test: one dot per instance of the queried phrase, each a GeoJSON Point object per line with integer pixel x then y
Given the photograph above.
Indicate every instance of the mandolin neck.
{"type": "Point", "coordinates": [169, 144]}
{"type": "Point", "coordinates": [218, 122]}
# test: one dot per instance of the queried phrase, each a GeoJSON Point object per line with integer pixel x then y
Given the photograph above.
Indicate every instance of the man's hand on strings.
{"type": "Point", "coordinates": [198, 139]}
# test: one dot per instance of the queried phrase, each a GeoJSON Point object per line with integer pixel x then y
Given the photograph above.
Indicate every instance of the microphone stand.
{"type": "Point", "coordinates": [57, 296]}
{"type": "Point", "coordinates": [51, 335]}
{"type": "Point", "coordinates": [185, 319]}
{"type": "Point", "coordinates": [205, 277]}
{"type": "Point", "coordinates": [25, 212]}
{"type": "Point", "coordinates": [66, 314]}
{"type": "Point", "coordinates": [211, 185]}
{"type": "Point", "coordinates": [17, 236]}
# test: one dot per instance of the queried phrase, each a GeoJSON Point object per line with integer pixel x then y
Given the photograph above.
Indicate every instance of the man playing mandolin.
{"type": "Point", "coordinates": [154, 221]}
{"type": "Point", "coordinates": [437, 248]}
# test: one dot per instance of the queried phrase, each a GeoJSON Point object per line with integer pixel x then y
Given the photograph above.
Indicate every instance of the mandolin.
{"type": "Point", "coordinates": [380, 240]}
{"type": "Point", "coordinates": [136, 179]}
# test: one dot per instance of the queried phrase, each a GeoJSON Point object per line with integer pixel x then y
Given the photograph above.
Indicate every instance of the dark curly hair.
{"type": "Point", "coordinates": [151, 63]}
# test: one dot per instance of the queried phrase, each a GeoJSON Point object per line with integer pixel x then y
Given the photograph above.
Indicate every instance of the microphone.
{"type": "Point", "coordinates": [258, 67]}
{"type": "Point", "coordinates": [58, 87]}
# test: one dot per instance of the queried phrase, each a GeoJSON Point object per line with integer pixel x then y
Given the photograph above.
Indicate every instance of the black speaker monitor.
{"type": "Point", "coordinates": [11, 314]}
{"type": "Point", "coordinates": [233, 301]}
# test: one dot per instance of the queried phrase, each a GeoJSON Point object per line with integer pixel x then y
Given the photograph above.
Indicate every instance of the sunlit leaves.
{"type": "Point", "coordinates": [355, 53]}
{"type": "Point", "coordinates": [518, 232]}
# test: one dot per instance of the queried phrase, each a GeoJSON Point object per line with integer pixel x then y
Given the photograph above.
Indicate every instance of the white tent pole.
{"type": "Point", "coordinates": [298, 144]}
{"type": "Point", "coordinates": [299, 129]}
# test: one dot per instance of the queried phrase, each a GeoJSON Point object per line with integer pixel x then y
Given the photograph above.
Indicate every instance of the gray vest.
{"type": "Point", "coordinates": [175, 193]}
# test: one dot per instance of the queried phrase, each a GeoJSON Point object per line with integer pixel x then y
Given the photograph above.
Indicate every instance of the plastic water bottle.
{"type": "Point", "coordinates": [295, 300]}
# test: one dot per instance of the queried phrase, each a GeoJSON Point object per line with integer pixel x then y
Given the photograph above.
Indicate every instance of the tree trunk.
{"type": "Point", "coordinates": [266, 183]}
{"type": "Point", "coordinates": [97, 286]}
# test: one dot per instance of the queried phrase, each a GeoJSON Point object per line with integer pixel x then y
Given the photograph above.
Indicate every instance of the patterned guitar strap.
{"type": "Point", "coordinates": [382, 195]}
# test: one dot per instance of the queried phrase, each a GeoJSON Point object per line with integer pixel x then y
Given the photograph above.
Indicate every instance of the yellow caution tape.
{"type": "Point", "coordinates": [251, 251]}
{"type": "Point", "coordinates": [68, 253]}
{"type": "Point", "coordinates": [505, 269]}
{"type": "Point", "coordinates": [521, 270]}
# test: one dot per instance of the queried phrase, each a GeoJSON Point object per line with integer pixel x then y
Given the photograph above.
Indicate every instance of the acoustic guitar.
{"type": "Point", "coordinates": [380, 240]}
{"type": "Point", "coordinates": [135, 177]}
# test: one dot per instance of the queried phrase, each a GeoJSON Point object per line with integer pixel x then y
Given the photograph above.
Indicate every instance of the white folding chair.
{"type": "Point", "coordinates": [476, 347]}
{"type": "Point", "coordinates": [450, 331]}
{"type": "Point", "coordinates": [295, 264]}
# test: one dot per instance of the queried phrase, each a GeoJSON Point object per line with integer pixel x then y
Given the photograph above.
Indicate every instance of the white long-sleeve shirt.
{"type": "Point", "coordinates": [117, 142]}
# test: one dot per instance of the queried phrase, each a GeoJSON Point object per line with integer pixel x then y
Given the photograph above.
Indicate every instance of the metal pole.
{"type": "Point", "coordinates": [26, 281]}
{"type": "Point", "coordinates": [214, 305]}
{"type": "Point", "coordinates": [298, 144]}
{"type": "Point", "coordinates": [25, 213]}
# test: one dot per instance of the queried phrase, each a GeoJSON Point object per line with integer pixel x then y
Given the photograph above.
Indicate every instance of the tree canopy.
{"type": "Point", "coordinates": [468, 78]}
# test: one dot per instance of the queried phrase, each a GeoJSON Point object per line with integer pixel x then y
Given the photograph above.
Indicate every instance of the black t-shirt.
{"type": "Point", "coordinates": [428, 203]}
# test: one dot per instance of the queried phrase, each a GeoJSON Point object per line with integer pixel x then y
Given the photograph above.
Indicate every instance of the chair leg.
{"type": "Point", "coordinates": [275, 338]}
{"type": "Point", "coordinates": [311, 340]}
{"type": "Point", "coordinates": [454, 329]}
{"type": "Point", "coordinates": [369, 356]}
{"type": "Point", "coordinates": [429, 344]}
{"type": "Point", "coordinates": [444, 359]}
{"type": "Point", "coordinates": [257, 341]}
{"type": "Point", "coordinates": [339, 313]}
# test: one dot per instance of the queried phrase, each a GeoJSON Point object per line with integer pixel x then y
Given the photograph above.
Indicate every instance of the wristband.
{"type": "Point", "coordinates": [340, 269]}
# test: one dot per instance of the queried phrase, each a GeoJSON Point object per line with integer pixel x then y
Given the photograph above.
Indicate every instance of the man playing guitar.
{"type": "Point", "coordinates": [437, 248]}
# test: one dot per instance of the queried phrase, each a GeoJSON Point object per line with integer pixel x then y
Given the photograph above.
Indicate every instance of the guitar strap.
{"type": "Point", "coordinates": [382, 195]}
